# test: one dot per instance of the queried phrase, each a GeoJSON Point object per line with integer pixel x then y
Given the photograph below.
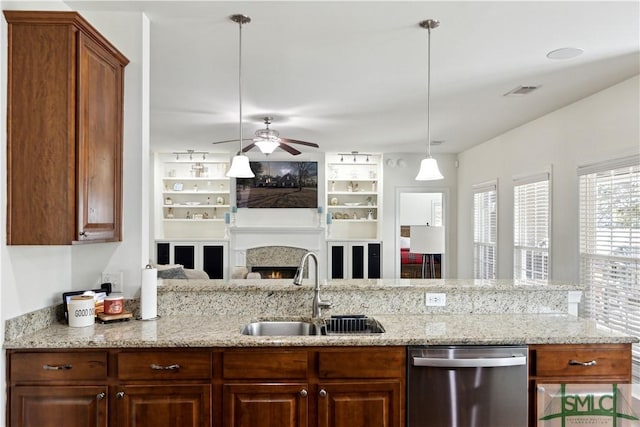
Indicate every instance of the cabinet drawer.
{"type": "Point", "coordinates": [61, 366]}
{"type": "Point", "coordinates": [361, 363]}
{"type": "Point", "coordinates": [579, 361]}
{"type": "Point", "coordinates": [265, 364]}
{"type": "Point", "coordinates": [162, 365]}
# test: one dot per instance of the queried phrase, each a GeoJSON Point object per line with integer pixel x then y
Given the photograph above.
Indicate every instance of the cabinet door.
{"type": "Point", "coordinates": [99, 185]}
{"type": "Point", "coordinates": [213, 261]}
{"type": "Point", "coordinates": [163, 405]}
{"type": "Point", "coordinates": [265, 405]}
{"type": "Point", "coordinates": [55, 406]}
{"type": "Point", "coordinates": [360, 404]}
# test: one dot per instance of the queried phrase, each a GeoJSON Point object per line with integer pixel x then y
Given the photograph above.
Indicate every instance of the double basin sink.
{"type": "Point", "coordinates": [333, 326]}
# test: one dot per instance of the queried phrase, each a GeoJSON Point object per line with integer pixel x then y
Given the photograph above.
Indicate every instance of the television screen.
{"type": "Point", "coordinates": [279, 185]}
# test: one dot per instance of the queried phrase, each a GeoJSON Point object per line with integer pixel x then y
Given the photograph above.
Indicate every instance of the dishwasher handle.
{"type": "Point", "coordinates": [488, 362]}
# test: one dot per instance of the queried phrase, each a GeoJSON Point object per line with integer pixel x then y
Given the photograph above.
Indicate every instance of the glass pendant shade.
{"type": "Point", "coordinates": [240, 167]}
{"type": "Point", "coordinates": [267, 145]}
{"type": "Point", "coordinates": [429, 170]}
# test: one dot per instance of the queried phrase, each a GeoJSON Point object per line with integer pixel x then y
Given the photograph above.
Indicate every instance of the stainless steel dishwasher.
{"type": "Point", "coordinates": [467, 386]}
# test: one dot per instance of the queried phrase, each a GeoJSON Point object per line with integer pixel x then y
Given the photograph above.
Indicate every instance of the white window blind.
{"type": "Point", "coordinates": [485, 230]}
{"type": "Point", "coordinates": [610, 246]}
{"type": "Point", "coordinates": [531, 223]}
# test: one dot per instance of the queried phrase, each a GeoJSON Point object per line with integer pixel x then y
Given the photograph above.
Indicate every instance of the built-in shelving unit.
{"type": "Point", "coordinates": [193, 196]}
{"type": "Point", "coordinates": [354, 199]}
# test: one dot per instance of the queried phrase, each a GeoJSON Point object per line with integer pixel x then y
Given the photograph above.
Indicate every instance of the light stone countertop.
{"type": "Point", "coordinates": [224, 331]}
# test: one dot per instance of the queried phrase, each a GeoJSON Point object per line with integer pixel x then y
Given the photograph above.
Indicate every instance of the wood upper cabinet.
{"type": "Point", "coordinates": [64, 127]}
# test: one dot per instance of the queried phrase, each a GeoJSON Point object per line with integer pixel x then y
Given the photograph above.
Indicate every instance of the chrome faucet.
{"type": "Point", "coordinates": [318, 304]}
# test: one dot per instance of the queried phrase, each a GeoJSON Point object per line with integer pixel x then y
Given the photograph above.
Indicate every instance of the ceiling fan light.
{"type": "Point", "coordinates": [240, 167]}
{"type": "Point", "coordinates": [429, 170]}
{"type": "Point", "coordinates": [267, 146]}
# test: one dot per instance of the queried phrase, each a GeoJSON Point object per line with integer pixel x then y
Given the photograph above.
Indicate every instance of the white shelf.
{"type": "Point", "coordinates": [352, 207]}
{"type": "Point", "coordinates": [195, 178]}
{"type": "Point", "coordinates": [363, 220]}
{"type": "Point", "coordinates": [177, 205]}
{"type": "Point", "coordinates": [353, 193]}
{"type": "Point", "coordinates": [193, 220]}
{"type": "Point", "coordinates": [195, 192]}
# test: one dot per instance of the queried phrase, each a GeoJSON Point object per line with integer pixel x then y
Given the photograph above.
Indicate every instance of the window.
{"type": "Point", "coordinates": [531, 222]}
{"type": "Point", "coordinates": [610, 246]}
{"type": "Point", "coordinates": [485, 230]}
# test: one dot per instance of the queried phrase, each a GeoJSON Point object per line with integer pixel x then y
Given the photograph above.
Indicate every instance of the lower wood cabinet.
{"type": "Point", "coordinates": [265, 405]}
{"type": "Point", "coordinates": [322, 387]}
{"type": "Point", "coordinates": [252, 387]}
{"type": "Point", "coordinates": [176, 405]}
{"type": "Point", "coordinates": [575, 364]}
{"type": "Point", "coordinates": [55, 406]}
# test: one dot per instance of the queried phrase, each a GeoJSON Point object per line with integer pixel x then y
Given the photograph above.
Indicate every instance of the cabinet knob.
{"type": "Point", "coordinates": [304, 393]}
{"type": "Point", "coordinates": [323, 392]}
{"type": "Point", "coordinates": [100, 396]}
{"type": "Point", "coordinates": [120, 395]}
{"type": "Point", "coordinates": [578, 363]}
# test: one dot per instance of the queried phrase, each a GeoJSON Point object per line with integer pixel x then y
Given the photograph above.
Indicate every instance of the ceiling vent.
{"type": "Point", "coordinates": [521, 90]}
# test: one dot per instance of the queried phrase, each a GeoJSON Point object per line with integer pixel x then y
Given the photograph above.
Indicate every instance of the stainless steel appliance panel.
{"type": "Point", "coordinates": [467, 386]}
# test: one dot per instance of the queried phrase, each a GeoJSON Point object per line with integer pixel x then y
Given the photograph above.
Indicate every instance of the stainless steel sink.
{"type": "Point", "coordinates": [280, 328]}
{"type": "Point", "coordinates": [336, 325]}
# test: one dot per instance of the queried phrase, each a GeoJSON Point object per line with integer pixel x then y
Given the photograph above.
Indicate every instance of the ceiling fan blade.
{"type": "Point", "coordinates": [224, 142]}
{"type": "Point", "coordinates": [289, 149]}
{"type": "Point", "coordinates": [248, 147]}
{"type": "Point", "coordinates": [295, 141]}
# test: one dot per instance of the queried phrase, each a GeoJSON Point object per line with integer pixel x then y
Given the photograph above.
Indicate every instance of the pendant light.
{"type": "Point", "coordinates": [429, 166]}
{"type": "Point", "coordinates": [240, 163]}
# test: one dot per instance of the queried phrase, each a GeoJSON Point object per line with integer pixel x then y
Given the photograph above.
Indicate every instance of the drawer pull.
{"type": "Point", "coordinates": [57, 367]}
{"type": "Point", "coordinates": [573, 362]}
{"type": "Point", "coordinates": [173, 367]}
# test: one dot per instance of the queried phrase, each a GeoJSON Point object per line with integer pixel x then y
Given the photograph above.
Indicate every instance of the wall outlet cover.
{"type": "Point", "coordinates": [115, 278]}
{"type": "Point", "coordinates": [435, 299]}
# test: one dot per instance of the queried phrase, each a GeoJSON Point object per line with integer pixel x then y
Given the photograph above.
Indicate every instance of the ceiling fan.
{"type": "Point", "coordinates": [267, 140]}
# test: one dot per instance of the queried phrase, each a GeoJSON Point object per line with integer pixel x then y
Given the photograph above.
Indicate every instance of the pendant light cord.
{"type": "Point", "coordinates": [429, 91]}
{"type": "Point", "coordinates": [240, 80]}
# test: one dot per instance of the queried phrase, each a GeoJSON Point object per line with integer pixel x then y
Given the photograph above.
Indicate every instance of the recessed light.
{"type": "Point", "coordinates": [565, 53]}
{"type": "Point", "coordinates": [522, 90]}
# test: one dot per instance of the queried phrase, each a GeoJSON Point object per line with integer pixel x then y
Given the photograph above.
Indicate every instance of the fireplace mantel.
{"type": "Point", "coordinates": [276, 230]}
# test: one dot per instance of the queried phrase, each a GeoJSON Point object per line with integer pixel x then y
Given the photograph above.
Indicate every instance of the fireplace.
{"type": "Point", "coordinates": [274, 262]}
{"type": "Point", "coordinates": [275, 272]}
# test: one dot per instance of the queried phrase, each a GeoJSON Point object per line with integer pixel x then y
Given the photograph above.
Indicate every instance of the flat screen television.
{"type": "Point", "coordinates": [279, 184]}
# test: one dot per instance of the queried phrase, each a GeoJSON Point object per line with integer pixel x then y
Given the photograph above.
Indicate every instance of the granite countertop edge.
{"type": "Point", "coordinates": [401, 330]}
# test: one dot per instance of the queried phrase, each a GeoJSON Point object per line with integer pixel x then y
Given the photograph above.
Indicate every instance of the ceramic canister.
{"type": "Point", "coordinates": [113, 304]}
{"type": "Point", "coordinates": [82, 311]}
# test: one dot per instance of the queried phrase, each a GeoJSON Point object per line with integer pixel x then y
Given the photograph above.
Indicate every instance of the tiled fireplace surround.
{"type": "Point", "coordinates": [275, 247]}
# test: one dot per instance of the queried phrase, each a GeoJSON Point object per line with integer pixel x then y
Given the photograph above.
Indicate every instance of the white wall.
{"type": "Point", "coordinates": [603, 126]}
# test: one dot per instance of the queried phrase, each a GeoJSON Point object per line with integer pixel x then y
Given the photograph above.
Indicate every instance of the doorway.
{"type": "Point", "coordinates": [416, 207]}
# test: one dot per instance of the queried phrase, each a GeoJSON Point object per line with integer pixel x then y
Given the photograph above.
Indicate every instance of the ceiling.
{"type": "Point", "coordinates": [352, 75]}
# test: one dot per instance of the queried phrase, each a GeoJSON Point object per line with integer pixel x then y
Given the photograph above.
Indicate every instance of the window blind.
{"type": "Point", "coordinates": [485, 230]}
{"type": "Point", "coordinates": [610, 246]}
{"type": "Point", "coordinates": [531, 225]}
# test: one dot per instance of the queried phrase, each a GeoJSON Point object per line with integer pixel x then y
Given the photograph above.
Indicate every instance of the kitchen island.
{"type": "Point", "coordinates": [193, 364]}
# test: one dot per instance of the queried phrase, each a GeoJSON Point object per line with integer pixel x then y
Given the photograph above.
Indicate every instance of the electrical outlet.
{"type": "Point", "coordinates": [115, 278]}
{"type": "Point", "coordinates": [435, 300]}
